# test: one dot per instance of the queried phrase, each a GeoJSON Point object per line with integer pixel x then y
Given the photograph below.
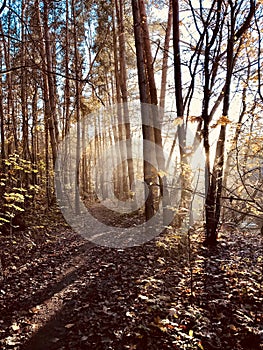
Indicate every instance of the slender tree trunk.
{"type": "Point", "coordinates": [25, 141]}
{"type": "Point", "coordinates": [34, 135]}
{"type": "Point", "coordinates": [215, 188]}
{"type": "Point", "coordinates": [122, 168]}
{"type": "Point", "coordinates": [67, 86]}
{"type": "Point", "coordinates": [2, 123]}
{"type": "Point", "coordinates": [124, 91]}
{"type": "Point", "coordinates": [52, 117]}
{"type": "Point", "coordinates": [10, 95]}
{"type": "Point", "coordinates": [78, 109]}
{"type": "Point", "coordinates": [213, 202]}
{"type": "Point", "coordinates": [181, 129]}
{"type": "Point", "coordinates": [165, 58]}
{"type": "Point", "coordinates": [49, 128]}
{"type": "Point", "coordinates": [66, 104]}
{"type": "Point", "coordinates": [148, 53]}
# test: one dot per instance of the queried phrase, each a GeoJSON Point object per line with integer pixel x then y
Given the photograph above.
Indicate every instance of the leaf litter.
{"type": "Point", "coordinates": [63, 292]}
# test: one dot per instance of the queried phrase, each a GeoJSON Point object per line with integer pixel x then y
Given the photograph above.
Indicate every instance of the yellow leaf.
{"type": "Point", "coordinates": [224, 120]}
{"type": "Point", "coordinates": [193, 119]}
{"type": "Point", "coordinates": [256, 148]}
{"type": "Point", "coordinates": [178, 121]}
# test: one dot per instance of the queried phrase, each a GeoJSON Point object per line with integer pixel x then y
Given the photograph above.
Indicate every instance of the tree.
{"type": "Point", "coordinates": [215, 48]}
{"type": "Point", "coordinates": [123, 87]}
{"type": "Point", "coordinates": [213, 199]}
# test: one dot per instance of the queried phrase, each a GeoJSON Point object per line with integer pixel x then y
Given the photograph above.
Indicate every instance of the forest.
{"type": "Point", "coordinates": [131, 174]}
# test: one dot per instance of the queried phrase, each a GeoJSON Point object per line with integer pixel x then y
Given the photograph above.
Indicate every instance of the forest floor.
{"type": "Point", "coordinates": [60, 291]}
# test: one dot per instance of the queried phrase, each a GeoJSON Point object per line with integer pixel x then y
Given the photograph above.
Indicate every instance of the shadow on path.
{"type": "Point", "coordinates": [229, 295]}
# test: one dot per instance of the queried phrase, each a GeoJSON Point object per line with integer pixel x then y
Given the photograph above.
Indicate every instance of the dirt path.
{"type": "Point", "coordinates": [62, 292]}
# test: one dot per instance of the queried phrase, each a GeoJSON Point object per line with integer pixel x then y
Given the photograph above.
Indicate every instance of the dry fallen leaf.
{"type": "Point", "coordinates": [69, 325]}
{"type": "Point", "coordinates": [15, 327]}
{"type": "Point", "coordinates": [232, 327]}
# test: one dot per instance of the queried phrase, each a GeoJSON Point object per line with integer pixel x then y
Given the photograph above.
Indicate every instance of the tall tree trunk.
{"type": "Point", "coordinates": [25, 141]}
{"type": "Point", "coordinates": [49, 129]}
{"type": "Point", "coordinates": [122, 168]}
{"type": "Point", "coordinates": [155, 117]}
{"type": "Point", "coordinates": [34, 134]}
{"type": "Point", "coordinates": [181, 128]}
{"type": "Point", "coordinates": [67, 86]}
{"type": "Point", "coordinates": [66, 105]}
{"type": "Point", "coordinates": [213, 204]}
{"type": "Point", "coordinates": [10, 109]}
{"type": "Point", "coordinates": [147, 130]}
{"type": "Point", "coordinates": [52, 117]}
{"type": "Point", "coordinates": [2, 122]}
{"type": "Point", "coordinates": [123, 86]}
{"type": "Point", "coordinates": [213, 200]}
{"type": "Point", "coordinates": [78, 109]}
{"type": "Point", "coordinates": [165, 58]}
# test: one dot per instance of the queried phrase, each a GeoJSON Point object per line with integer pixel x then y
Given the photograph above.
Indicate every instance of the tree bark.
{"type": "Point", "coordinates": [165, 58]}
{"type": "Point", "coordinates": [123, 87]}
{"type": "Point", "coordinates": [181, 128]}
{"type": "Point", "coordinates": [147, 130]}
{"type": "Point", "coordinates": [213, 201]}
{"type": "Point", "coordinates": [77, 108]}
{"type": "Point", "coordinates": [52, 117]}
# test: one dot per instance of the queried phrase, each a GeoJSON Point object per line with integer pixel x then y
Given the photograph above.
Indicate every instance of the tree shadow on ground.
{"type": "Point", "coordinates": [224, 292]}
{"type": "Point", "coordinates": [107, 311]}
{"type": "Point", "coordinates": [49, 269]}
{"type": "Point", "coordinates": [118, 299]}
